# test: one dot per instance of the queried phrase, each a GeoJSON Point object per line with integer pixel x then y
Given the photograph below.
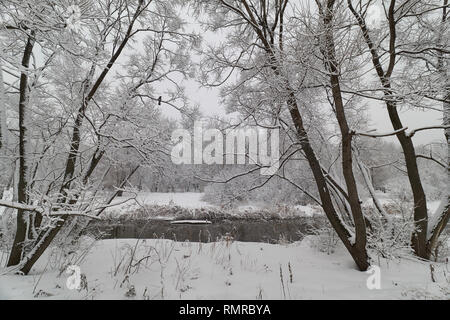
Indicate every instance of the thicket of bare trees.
{"type": "Point", "coordinates": [85, 94]}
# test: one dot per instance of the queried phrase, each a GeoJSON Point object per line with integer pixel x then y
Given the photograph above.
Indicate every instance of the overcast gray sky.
{"type": "Point", "coordinates": [209, 101]}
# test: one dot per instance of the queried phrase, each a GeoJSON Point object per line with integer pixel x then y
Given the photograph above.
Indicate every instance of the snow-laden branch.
{"type": "Point", "coordinates": [20, 206]}
{"type": "Point", "coordinates": [378, 135]}
{"type": "Point", "coordinates": [26, 207]}
{"type": "Point", "coordinates": [65, 214]}
{"type": "Point", "coordinates": [413, 132]}
{"type": "Point", "coordinates": [409, 134]}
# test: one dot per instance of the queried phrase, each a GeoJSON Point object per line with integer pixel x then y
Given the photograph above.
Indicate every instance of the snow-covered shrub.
{"type": "Point", "coordinates": [322, 236]}
{"type": "Point", "coordinates": [326, 239]}
{"type": "Point", "coordinates": [442, 251]}
{"type": "Point", "coordinates": [389, 237]}
{"type": "Point", "coordinates": [70, 252]}
{"type": "Point", "coordinates": [72, 244]}
{"type": "Point", "coordinates": [6, 233]}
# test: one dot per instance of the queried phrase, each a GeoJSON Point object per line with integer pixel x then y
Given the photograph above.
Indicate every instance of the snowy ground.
{"type": "Point", "coordinates": [224, 270]}
{"type": "Point", "coordinates": [164, 269]}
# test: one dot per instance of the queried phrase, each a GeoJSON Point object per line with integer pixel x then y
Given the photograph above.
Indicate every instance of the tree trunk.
{"type": "Point", "coordinates": [22, 219]}
{"type": "Point", "coordinates": [47, 235]}
{"type": "Point", "coordinates": [359, 256]}
{"type": "Point", "coordinates": [358, 253]}
{"type": "Point", "coordinates": [3, 125]}
{"type": "Point", "coordinates": [419, 237]}
{"type": "Point", "coordinates": [442, 214]}
{"type": "Point", "coordinates": [347, 156]}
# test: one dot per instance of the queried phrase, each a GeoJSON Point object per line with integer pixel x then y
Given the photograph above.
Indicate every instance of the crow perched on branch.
{"type": "Point", "coordinates": [159, 100]}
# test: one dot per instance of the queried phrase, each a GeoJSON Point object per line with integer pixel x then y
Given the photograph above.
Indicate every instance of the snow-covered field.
{"type": "Point", "coordinates": [164, 269]}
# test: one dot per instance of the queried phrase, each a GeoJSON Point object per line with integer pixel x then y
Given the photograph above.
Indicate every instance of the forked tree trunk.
{"type": "Point", "coordinates": [347, 154]}
{"type": "Point", "coordinates": [359, 254]}
{"type": "Point", "coordinates": [419, 237]}
{"type": "Point", "coordinates": [356, 250]}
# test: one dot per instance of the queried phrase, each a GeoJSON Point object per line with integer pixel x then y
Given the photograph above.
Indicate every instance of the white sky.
{"type": "Point", "coordinates": [209, 103]}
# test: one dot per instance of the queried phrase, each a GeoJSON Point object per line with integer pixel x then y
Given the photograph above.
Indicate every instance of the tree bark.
{"type": "Point", "coordinates": [22, 219]}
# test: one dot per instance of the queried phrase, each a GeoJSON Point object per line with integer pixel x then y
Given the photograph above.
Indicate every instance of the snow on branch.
{"type": "Point", "coordinates": [20, 206]}
{"type": "Point", "coordinates": [365, 173]}
{"type": "Point", "coordinates": [409, 134]}
{"type": "Point", "coordinates": [377, 135]}
{"type": "Point", "coordinates": [25, 207]}
{"type": "Point", "coordinates": [73, 213]}
{"type": "Point", "coordinates": [413, 132]}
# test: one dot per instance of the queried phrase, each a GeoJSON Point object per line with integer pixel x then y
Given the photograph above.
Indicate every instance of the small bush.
{"type": "Point", "coordinates": [323, 238]}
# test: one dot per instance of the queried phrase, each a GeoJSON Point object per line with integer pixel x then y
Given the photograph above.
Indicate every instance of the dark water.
{"type": "Point", "coordinates": [240, 230]}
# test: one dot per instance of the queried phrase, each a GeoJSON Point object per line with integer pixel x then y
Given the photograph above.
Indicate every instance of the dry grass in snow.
{"type": "Point", "coordinates": [164, 269]}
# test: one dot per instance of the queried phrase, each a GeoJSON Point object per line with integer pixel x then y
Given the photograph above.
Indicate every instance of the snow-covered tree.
{"type": "Point", "coordinates": [90, 79]}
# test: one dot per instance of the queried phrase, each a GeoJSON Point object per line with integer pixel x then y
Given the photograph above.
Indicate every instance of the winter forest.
{"type": "Point", "coordinates": [224, 149]}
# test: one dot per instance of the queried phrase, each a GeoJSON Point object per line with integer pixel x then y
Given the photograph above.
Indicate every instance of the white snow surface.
{"type": "Point", "coordinates": [220, 270]}
{"type": "Point", "coordinates": [225, 270]}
